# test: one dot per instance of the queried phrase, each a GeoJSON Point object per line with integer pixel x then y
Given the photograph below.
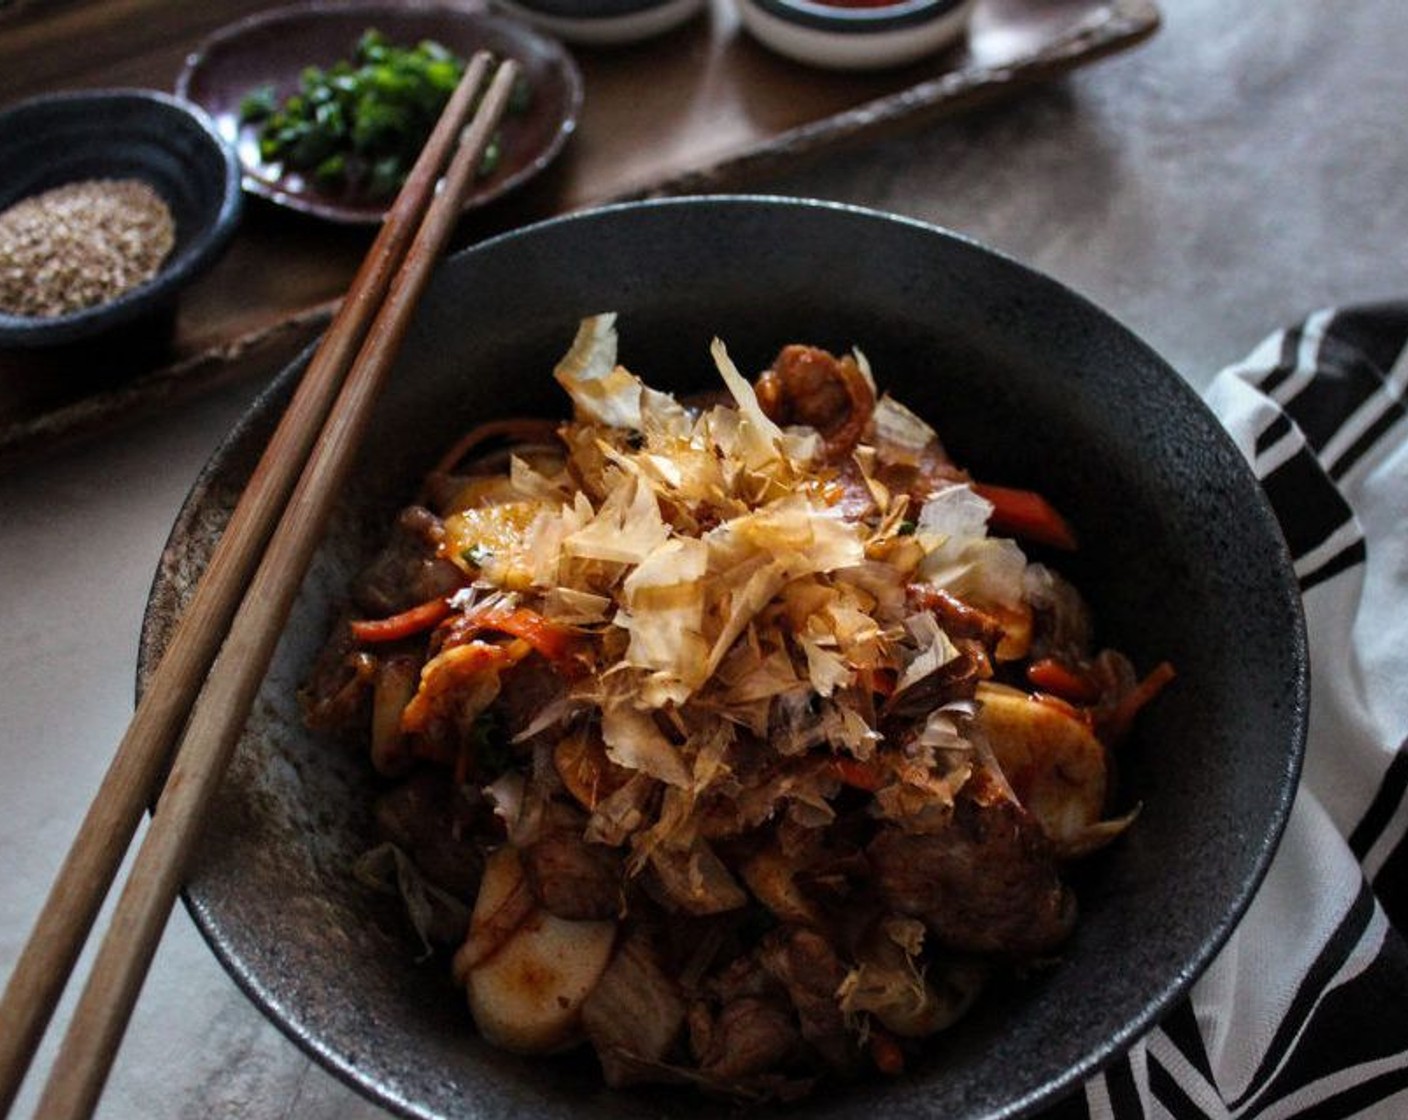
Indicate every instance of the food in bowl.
{"type": "Point", "coordinates": [81, 244]}
{"type": "Point", "coordinates": [737, 737]}
{"type": "Point", "coordinates": [103, 151]}
{"type": "Point", "coordinates": [1030, 385]}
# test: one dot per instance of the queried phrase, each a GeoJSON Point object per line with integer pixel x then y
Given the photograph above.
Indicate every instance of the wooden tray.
{"type": "Point", "coordinates": [703, 109]}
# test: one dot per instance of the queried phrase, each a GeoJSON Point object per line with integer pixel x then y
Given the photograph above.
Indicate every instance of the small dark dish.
{"type": "Point", "coordinates": [271, 50]}
{"type": "Point", "coordinates": [838, 36]}
{"type": "Point", "coordinates": [51, 141]}
{"type": "Point", "coordinates": [604, 22]}
{"type": "Point", "coordinates": [1030, 385]}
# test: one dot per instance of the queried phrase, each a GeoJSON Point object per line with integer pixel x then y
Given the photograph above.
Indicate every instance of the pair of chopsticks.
{"type": "Point", "coordinates": [214, 663]}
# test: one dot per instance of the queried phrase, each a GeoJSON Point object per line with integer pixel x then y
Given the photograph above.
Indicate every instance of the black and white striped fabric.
{"type": "Point", "coordinates": [1304, 1014]}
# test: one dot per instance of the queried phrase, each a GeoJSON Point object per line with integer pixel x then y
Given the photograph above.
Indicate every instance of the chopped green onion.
{"type": "Point", "coordinates": [358, 125]}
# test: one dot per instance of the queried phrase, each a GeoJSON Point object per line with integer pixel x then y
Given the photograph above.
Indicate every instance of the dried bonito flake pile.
{"type": "Point", "coordinates": [737, 739]}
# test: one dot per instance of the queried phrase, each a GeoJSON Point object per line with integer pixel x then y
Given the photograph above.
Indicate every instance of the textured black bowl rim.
{"type": "Point", "coordinates": [589, 11]}
{"type": "Point", "coordinates": [331, 210]}
{"type": "Point", "coordinates": [1263, 845]}
{"type": "Point", "coordinates": [827, 17]}
{"type": "Point", "coordinates": [200, 254]}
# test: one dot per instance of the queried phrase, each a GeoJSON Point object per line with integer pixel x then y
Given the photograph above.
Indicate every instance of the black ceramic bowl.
{"type": "Point", "coordinates": [1028, 384]}
{"type": "Point", "coordinates": [123, 134]}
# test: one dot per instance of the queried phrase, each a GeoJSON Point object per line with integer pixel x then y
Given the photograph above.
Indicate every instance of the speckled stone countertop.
{"type": "Point", "coordinates": [1245, 166]}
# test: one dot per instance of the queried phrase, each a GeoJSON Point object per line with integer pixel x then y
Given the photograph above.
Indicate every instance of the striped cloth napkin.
{"type": "Point", "coordinates": [1304, 1013]}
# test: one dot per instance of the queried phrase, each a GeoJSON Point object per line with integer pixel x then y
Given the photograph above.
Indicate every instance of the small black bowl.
{"type": "Point", "coordinates": [600, 23]}
{"type": "Point", "coordinates": [122, 134]}
{"type": "Point", "coordinates": [836, 36]}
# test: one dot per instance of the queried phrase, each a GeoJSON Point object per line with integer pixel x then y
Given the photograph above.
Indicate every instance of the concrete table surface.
{"type": "Point", "coordinates": [1247, 165]}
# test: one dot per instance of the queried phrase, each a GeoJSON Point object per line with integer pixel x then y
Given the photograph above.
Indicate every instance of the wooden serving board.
{"type": "Point", "coordinates": [702, 109]}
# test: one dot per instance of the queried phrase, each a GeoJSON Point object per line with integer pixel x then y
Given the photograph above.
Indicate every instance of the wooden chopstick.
{"type": "Point", "coordinates": [372, 324]}
{"type": "Point", "coordinates": [130, 784]}
{"type": "Point", "coordinates": [217, 719]}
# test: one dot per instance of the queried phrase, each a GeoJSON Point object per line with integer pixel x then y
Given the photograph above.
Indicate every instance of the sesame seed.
{"type": "Point", "coordinates": [81, 245]}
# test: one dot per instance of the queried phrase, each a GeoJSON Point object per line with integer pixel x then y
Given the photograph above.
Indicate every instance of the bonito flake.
{"type": "Point", "coordinates": [726, 585]}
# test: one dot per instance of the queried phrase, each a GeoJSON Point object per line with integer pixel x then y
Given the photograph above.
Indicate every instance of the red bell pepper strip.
{"type": "Point", "coordinates": [1117, 724]}
{"type": "Point", "coordinates": [856, 774]}
{"type": "Point", "coordinates": [1060, 679]}
{"type": "Point", "coordinates": [1026, 514]}
{"type": "Point", "coordinates": [416, 620]}
{"type": "Point", "coordinates": [885, 1052]}
{"type": "Point", "coordinates": [553, 640]}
